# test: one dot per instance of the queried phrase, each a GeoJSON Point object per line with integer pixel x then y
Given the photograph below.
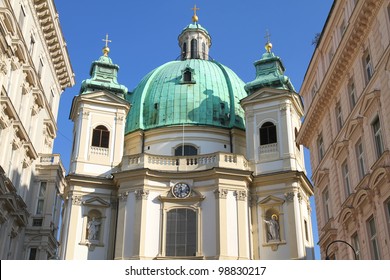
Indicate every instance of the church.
{"type": "Point", "coordinates": [191, 164]}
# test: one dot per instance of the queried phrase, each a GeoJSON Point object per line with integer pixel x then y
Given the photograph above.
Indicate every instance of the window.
{"type": "Point", "coordinates": [314, 90]}
{"type": "Point", "coordinates": [330, 55]}
{"type": "Point", "coordinates": [181, 232]}
{"type": "Point", "coordinates": [360, 159]}
{"type": "Point", "coordinates": [343, 27]}
{"type": "Point", "coordinates": [194, 48]}
{"type": "Point", "coordinates": [41, 198]}
{"type": "Point", "coordinates": [306, 230]}
{"type": "Point", "coordinates": [339, 116]}
{"type": "Point", "coordinates": [387, 209]}
{"type": "Point", "coordinates": [367, 63]}
{"type": "Point", "coordinates": [32, 45]}
{"type": "Point", "coordinates": [22, 16]}
{"type": "Point", "coordinates": [373, 239]}
{"type": "Point", "coordinates": [296, 136]}
{"type": "Point", "coordinates": [321, 148]}
{"type": "Point", "coordinates": [326, 204]}
{"type": "Point", "coordinates": [40, 67]}
{"type": "Point", "coordinates": [356, 245]}
{"type": "Point", "coordinates": [37, 222]}
{"type": "Point", "coordinates": [33, 254]}
{"type": "Point", "coordinates": [352, 93]}
{"type": "Point", "coordinates": [187, 77]}
{"type": "Point", "coordinates": [376, 127]}
{"type": "Point", "coordinates": [268, 133]}
{"type": "Point", "coordinates": [346, 181]}
{"type": "Point", "coordinates": [204, 50]}
{"type": "Point", "coordinates": [188, 150]}
{"type": "Point", "coordinates": [100, 137]}
{"type": "Point", "coordinates": [184, 51]}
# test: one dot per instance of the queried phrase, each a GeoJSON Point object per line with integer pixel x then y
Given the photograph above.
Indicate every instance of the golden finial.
{"type": "Point", "coordinates": [195, 17]}
{"type": "Point", "coordinates": [268, 45]}
{"type": "Point", "coordinates": [106, 49]}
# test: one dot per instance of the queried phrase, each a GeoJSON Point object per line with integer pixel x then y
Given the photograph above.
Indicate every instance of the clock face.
{"type": "Point", "coordinates": [181, 190]}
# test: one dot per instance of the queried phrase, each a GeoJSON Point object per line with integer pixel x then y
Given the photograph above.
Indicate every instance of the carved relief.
{"type": "Point", "coordinates": [141, 194]}
{"type": "Point", "coordinates": [221, 193]}
{"type": "Point", "coordinates": [76, 200]}
{"type": "Point", "coordinates": [123, 196]}
{"type": "Point", "coordinates": [289, 196]}
{"type": "Point", "coordinates": [240, 195]}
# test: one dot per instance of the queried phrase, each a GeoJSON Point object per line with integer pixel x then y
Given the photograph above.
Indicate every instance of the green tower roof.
{"type": "Point", "coordinates": [103, 77]}
{"type": "Point", "coordinates": [269, 73]}
{"type": "Point", "coordinates": [192, 92]}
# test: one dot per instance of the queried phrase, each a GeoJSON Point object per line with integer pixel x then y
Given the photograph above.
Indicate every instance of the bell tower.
{"type": "Point", "coordinates": [99, 115]}
{"type": "Point", "coordinates": [280, 189]}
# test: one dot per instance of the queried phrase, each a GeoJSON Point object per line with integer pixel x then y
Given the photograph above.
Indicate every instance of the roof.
{"type": "Point", "coordinates": [164, 98]}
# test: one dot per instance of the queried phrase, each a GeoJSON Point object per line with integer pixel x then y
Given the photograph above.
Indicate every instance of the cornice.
{"type": "Point", "coordinates": [50, 27]}
{"type": "Point", "coordinates": [358, 30]}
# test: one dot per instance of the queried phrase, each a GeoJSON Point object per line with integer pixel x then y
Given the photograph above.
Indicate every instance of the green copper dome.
{"type": "Point", "coordinates": [191, 92]}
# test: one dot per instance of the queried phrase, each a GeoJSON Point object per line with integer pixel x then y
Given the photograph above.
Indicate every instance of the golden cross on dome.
{"type": "Point", "coordinates": [106, 40]}
{"type": "Point", "coordinates": [267, 35]}
{"type": "Point", "coordinates": [195, 17]}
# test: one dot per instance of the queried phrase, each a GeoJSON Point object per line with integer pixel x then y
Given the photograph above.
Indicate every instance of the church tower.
{"type": "Point", "coordinates": [280, 189]}
{"type": "Point", "coordinates": [99, 113]}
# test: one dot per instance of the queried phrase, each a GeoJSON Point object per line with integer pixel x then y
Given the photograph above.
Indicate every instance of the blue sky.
{"type": "Point", "coordinates": [144, 36]}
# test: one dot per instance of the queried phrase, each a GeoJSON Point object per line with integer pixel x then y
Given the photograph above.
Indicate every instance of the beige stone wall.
{"type": "Point", "coordinates": [352, 33]}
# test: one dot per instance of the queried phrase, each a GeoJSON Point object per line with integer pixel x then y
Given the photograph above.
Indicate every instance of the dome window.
{"type": "Point", "coordinates": [188, 76]}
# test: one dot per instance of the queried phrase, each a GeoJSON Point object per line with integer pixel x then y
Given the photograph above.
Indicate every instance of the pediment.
{"type": "Point", "coordinates": [339, 147]}
{"type": "Point", "coordinates": [321, 175]}
{"type": "Point", "coordinates": [353, 124]}
{"type": "Point", "coordinates": [102, 96]}
{"type": "Point", "coordinates": [271, 200]}
{"type": "Point", "coordinates": [368, 99]}
{"type": "Point", "coordinates": [96, 202]}
{"type": "Point", "coordinates": [264, 93]}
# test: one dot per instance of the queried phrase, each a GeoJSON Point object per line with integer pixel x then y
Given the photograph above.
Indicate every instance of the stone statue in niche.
{"type": "Point", "coordinates": [93, 229]}
{"type": "Point", "coordinates": [273, 228]}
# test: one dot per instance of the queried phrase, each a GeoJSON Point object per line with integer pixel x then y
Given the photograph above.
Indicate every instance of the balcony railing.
{"type": "Point", "coordinates": [185, 163]}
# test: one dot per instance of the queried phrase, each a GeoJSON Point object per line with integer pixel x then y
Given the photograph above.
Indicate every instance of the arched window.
{"type": "Point", "coordinates": [268, 133]}
{"type": "Point", "coordinates": [194, 48]}
{"type": "Point", "coordinates": [100, 137]}
{"type": "Point", "coordinates": [296, 135]}
{"type": "Point", "coordinates": [181, 232]}
{"type": "Point", "coordinates": [189, 150]}
{"type": "Point", "coordinates": [204, 50]}
{"type": "Point", "coordinates": [184, 51]}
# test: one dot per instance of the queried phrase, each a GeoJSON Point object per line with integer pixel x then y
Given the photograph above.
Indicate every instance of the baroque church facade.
{"type": "Point", "coordinates": [191, 164]}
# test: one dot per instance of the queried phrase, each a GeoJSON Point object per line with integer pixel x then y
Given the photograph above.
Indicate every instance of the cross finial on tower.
{"type": "Point", "coordinates": [268, 45]}
{"type": "Point", "coordinates": [106, 49]}
{"type": "Point", "coordinates": [195, 17]}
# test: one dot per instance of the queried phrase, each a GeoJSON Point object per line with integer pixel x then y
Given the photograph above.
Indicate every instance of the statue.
{"type": "Point", "coordinates": [93, 229]}
{"type": "Point", "coordinates": [273, 228]}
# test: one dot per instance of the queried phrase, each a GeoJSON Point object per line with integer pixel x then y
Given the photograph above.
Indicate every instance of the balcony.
{"type": "Point", "coordinates": [185, 163]}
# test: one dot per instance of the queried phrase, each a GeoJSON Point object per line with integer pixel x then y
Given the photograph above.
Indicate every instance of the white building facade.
{"type": "Point", "coordinates": [34, 71]}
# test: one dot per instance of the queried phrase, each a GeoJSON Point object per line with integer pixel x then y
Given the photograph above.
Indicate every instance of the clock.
{"type": "Point", "coordinates": [181, 190]}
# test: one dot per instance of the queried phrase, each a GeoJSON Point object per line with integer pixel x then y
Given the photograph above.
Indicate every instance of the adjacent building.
{"type": "Point", "coordinates": [34, 71]}
{"type": "Point", "coordinates": [346, 127]}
